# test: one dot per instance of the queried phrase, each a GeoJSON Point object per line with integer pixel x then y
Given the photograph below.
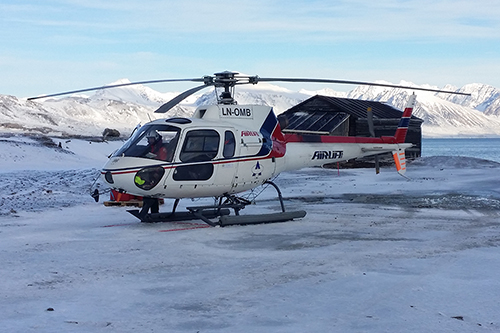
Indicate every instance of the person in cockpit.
{"type": "Point", "coordinates": [156, 148]}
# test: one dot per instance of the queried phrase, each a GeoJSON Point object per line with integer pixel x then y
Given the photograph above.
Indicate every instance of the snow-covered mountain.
{"type": "Point", "coordinates": [137, 94]}
{"type": "Point", "coordinates": [123, 108]}
{"type": "Point", "coordinates": [445, 115]}
{"type": "Point", "coordinates": [483, 98]}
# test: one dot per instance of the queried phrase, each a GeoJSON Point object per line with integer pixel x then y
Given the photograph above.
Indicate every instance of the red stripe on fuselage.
{"type": "Point", "coordinates": [279, 143]}
{"type": "Point", "coordinates": [337, 139]}
{"type": "Point", "coordinates": [248, 159]}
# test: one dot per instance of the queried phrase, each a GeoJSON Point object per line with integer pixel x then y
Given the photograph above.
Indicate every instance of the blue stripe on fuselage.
{"type": "Point", "coordinates": [266, 130]}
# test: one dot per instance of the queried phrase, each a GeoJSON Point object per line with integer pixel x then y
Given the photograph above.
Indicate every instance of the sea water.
{"type": "Point", "coordinates": [484, 148]}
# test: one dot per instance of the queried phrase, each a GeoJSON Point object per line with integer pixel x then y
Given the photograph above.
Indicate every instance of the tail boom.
{"type": "Point", "coordinates": [308, 154]}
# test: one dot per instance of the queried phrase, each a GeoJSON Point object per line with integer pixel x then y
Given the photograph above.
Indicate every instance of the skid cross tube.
{"type": "Point", "coordinates": [280, 197]}
{"type": "Point", "coordinates": [232, 202]}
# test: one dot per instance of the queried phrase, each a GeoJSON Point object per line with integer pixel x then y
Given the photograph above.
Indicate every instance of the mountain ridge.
{"type": "Point", "coordinates": [444, 115]}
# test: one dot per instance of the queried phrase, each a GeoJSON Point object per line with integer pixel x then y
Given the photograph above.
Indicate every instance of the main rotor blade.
{"type": "Point", "coordinates": [179, 98]}
{"type": "Point", "coordinates": [361, 83]}
{"type": "Point", "coordinates": [115, 86]}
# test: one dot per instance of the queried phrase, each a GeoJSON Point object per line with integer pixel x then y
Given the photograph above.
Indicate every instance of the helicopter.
{"type": "Point", "coordinates": [226, 148]}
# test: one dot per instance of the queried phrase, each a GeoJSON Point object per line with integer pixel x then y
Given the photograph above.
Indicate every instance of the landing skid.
{"type": "Point", "coordinates": [260, 218]}
{"type": "Point", "coordinates": [221, 210]}
{"type": "Point", "coordinates": [178, 216]}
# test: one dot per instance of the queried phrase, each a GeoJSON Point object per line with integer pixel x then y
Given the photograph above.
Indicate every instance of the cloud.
{"type": "Point", "coordinates": [259, 20]}
{"type": "Point", "coordinates": [324, 20]}
{"type": "Point", "coordinates": [355, 39]}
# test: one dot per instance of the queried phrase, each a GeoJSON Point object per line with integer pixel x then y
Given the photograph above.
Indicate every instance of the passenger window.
{"type": "Point", "coordinates": [200, 145]}
{"type": "Point", "coordinates": [229, 144]}
{"type": "Point", "coordinates": [194, 172]}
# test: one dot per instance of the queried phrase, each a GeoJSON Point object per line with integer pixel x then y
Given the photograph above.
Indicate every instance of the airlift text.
{"type": "Point", "coordinates": [234, 112]}
{"type": "Point", "coordinates": [327, 154]}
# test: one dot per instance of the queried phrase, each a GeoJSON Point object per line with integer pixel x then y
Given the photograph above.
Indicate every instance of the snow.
{"type": "Point", "coordinates": [42, 153]}
{"type": "Point", "coordinates": [134, 94]}
{"type": "Point", "coordinates": [375, 253]}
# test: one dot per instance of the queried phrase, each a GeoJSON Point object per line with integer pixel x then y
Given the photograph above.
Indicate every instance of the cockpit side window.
{"type": "Point", "coordinates": [200, 145]}
{"type": "Point", "coordinates": [152, 141]}
{"type": "Point", "coordinates": [229, 144]}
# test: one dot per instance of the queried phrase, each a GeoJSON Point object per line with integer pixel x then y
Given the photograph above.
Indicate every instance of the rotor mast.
{"type": "Point", "coordinates": [227, 81]}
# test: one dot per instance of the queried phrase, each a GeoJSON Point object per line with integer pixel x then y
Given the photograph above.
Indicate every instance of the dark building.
{"type": "Point", "coordinates": [348, 117]}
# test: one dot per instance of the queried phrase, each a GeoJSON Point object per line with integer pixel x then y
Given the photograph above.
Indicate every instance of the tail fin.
{"type": "Point", "coordinates": [402, 129]}
{"type": "Point", "coordinates": [400, 160]}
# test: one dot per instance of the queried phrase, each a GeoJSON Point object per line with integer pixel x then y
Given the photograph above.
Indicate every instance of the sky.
{"type": "Point", "coordinates": [52, 46]}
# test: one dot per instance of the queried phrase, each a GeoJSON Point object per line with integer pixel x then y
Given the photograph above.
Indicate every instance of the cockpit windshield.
{"type": "Point", "coordinates": [152, 141]}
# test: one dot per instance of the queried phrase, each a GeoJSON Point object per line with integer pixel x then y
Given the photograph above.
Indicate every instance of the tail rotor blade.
{"type": "Point", "coordinates": [369, 118]}
{"type": "Point", "coordinates": [371, 129]}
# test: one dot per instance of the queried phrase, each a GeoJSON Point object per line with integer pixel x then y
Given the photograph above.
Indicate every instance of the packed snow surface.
{"type": "Point", "coordinates": [375, 253]}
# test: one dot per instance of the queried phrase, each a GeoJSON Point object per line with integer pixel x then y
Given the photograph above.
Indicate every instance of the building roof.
{"type": "Point", "coordinates": [324, 114]}
{"type": "Point", "coordinates": [354, 107]}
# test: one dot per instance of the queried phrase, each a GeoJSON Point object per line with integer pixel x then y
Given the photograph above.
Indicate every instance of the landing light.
{"type": "Point", "coordinates": [149, 177]}
{"type": "Point", "coordinates": [109, 177]}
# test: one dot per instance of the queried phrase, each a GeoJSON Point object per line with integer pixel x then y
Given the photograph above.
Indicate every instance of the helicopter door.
{"type": "Point", "coordinates": [229, 168]}
{"type": "Point", "coordinates": [196, 175]}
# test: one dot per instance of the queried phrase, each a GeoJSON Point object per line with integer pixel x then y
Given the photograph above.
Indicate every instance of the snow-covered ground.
{"type": "Point", "coordinates": [375, 253]}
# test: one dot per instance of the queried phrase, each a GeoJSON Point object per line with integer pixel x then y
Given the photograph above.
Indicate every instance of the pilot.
{"type": "Point", "coordinates": [157, 151]}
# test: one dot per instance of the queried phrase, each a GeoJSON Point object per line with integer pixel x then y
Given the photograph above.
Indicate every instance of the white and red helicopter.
{"type": "Point", "coordinates": [225, 149]}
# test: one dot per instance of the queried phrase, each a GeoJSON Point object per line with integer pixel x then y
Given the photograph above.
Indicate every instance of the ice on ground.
{"type": "Point", "coordinates": [375, 253]}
